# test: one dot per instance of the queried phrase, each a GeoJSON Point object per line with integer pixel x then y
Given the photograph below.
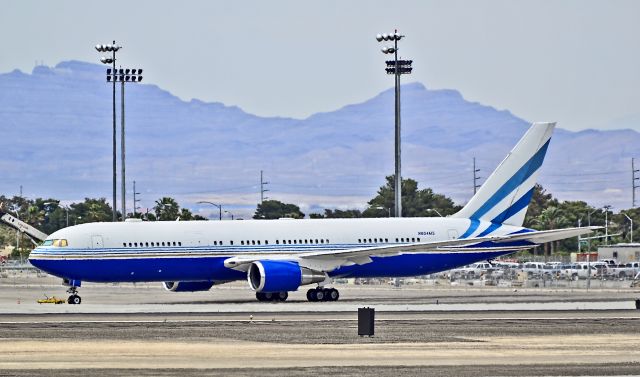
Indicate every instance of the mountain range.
{"type": "Point", "coordinates": [57, 128]}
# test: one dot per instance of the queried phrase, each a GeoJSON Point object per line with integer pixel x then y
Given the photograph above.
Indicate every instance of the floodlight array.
{"type": "Point", "coordinates": [124, 75]}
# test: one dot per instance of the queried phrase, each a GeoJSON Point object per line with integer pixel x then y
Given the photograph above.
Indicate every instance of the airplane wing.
{"type": "Point", "coordinates": [328, 260]}
{"type": "Point", "coordinates": [543, 236]}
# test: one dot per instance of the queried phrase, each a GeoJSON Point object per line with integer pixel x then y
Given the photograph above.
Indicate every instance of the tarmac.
{"type": "Point", "coordinates": [434, 329]}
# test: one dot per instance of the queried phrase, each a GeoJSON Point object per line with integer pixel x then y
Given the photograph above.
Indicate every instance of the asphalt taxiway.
{"type": "Point", "coordinates": [144, 330]}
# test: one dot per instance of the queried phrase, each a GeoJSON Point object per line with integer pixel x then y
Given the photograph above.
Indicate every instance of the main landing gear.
{"type": "Point", "coordinates": [73, 299]}
{"type": "Point", "coordinates": [272, 296]}
{"type": "Point", "coordinates": [323, 294]}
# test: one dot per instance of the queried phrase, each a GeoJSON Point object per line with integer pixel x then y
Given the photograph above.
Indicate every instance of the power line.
{"type": "Point", "coordinates": [586, 174]}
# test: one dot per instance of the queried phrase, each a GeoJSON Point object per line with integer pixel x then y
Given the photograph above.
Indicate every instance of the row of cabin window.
{"type": "Point", "coordinates": [152, 244]}
{"type": "Point", "coordinates": [284, 242]}
{"type": "Point", "coordinates": [216, 243]}
{"type": "Point", "coordinates": [375, 240]}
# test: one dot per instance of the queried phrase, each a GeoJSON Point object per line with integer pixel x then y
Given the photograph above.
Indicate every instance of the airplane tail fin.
{"type": "Point", "coordinates": [505, 196]}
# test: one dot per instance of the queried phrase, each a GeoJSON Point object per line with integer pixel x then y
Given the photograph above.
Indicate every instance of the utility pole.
{"type": "Point", "coordinates": [475, 177]}
{"type": "Point", "coordinates": [634, 186]}
{"type": "Point", "coordinates": [135, 199]}
{"type": "Point", "coordinates": [262, 189]}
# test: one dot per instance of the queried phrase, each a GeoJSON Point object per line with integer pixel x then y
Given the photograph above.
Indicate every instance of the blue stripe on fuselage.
{"type": "Point", "coordinates": [212, 269]}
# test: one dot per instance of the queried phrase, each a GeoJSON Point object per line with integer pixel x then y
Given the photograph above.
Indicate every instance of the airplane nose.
{"type": "Point", "coordinates": [35, 260]}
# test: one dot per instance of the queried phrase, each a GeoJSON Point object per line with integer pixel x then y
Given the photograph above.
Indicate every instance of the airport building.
{"type": "Point", "coordinates": [622, 252]}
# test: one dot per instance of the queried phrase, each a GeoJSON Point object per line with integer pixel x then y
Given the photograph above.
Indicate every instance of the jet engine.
{"type": "Point", "coordinates": [187, 286]}
{"type": "Point", "coordinates": [281, 276]}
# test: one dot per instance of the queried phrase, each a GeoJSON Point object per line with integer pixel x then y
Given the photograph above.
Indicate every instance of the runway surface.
{"type": "Point", "coordinates": [143, 330]}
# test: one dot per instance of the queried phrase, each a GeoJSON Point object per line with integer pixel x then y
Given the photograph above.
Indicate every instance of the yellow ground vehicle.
{"type": "Point", "coordinates": [51, 300]}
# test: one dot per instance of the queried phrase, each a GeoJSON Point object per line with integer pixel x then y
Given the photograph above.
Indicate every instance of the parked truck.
{"type": "Point", "coordinates": [625, 271]}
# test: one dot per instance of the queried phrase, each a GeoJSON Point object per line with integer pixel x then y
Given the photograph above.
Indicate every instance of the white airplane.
{"type": "Point", "coordinates": [279, 256]}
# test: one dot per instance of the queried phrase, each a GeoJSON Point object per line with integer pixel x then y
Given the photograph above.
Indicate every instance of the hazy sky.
{"type": "Point", "coordinates": [575, 62]}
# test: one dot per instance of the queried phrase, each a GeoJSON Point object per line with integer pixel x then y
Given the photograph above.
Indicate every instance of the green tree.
{"type": "Point", "coordinates": [575, 212]}
{"type": "Point", "coordinates": [550, 218]}
{"type": "Point", "coordinates": [415, 202]}
{"type": "Point", "coordinates": [90, 211]}
{"type": "Point", "coordinates": [540, 200]}
{"type": "Point", "coordinates": [337, 214]}
{"type": "Point", "coordinates": [187, 215]}
{"type": "Point", "coordinates": [166, 209]}
{"type": "Point", "coordinates": [274, 209]}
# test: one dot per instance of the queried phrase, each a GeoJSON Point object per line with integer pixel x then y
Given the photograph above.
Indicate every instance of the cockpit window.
{"type": "Point", "coordinates": [56, 243]}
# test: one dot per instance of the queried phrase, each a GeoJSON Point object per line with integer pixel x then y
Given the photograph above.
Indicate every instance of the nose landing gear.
{"type": "Point", "coordinates": [73, 299]}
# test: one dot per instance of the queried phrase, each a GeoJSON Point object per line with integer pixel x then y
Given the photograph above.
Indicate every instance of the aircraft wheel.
{"type": "Point", "coordinates": [281, 296]}
{"type": "Point", "coordinates": [260, 296]}
{"type": "Point", "coordinates": [320, 295]}
{"type": "Point", "coordinates": [74, 300]}
{"type": "Point", "coordinates": [311, 295]}
{"type": "Point", "coordinates": [333, 294]}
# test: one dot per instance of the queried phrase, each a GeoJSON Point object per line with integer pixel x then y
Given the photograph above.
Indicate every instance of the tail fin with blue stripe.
{"type": "Point", "coordinates": [505, 196]}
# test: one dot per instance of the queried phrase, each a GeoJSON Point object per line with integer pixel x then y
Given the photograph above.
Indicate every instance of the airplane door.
{"type": "Point", "coordinates": [453, 234]}
{"type": "Point", "coordinates": [96, 242]}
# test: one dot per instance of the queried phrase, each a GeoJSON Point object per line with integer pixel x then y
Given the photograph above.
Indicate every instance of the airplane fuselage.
{"type": "Point", "coordinates": [196, 250]}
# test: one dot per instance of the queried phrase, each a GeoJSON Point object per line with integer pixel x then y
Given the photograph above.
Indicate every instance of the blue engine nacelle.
{"type": "Point", "coordinates": [280, 276]}
{"type": "Point", "coordinates": [187, 286]}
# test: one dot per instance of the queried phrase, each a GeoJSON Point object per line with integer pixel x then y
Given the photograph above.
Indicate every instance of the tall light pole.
{"type": "Point", "coordinates": [113, 48]}
{"type": "Point", "coordinates": [606, 224]}
{"type": "Point", "coordinates": [631, 227]}
{"type": "Point", "coordinates": [589, 223]}
{"type": "Point", "coordinates": [231, 214]}
{"type": "Point", "coordinates": [396, 67]}
{"type": "Point", "coordinates": [213, 204]}
{"type": "Point", "coordinates": [589, 251]}
{"type": "Point", "coordinates": [579, 239]}
{"type": "Point", "coordinates": [123, 75]}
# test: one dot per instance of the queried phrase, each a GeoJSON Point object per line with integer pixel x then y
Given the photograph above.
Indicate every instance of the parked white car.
{"type": "Point", "coordinates": [579, 271]}
{"type": "Point", "coordinates": [624, 271]}
{"type": "Point", "coordinates": [533, 269]}
{"type": "Point", "coordinates": [473, 271]}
